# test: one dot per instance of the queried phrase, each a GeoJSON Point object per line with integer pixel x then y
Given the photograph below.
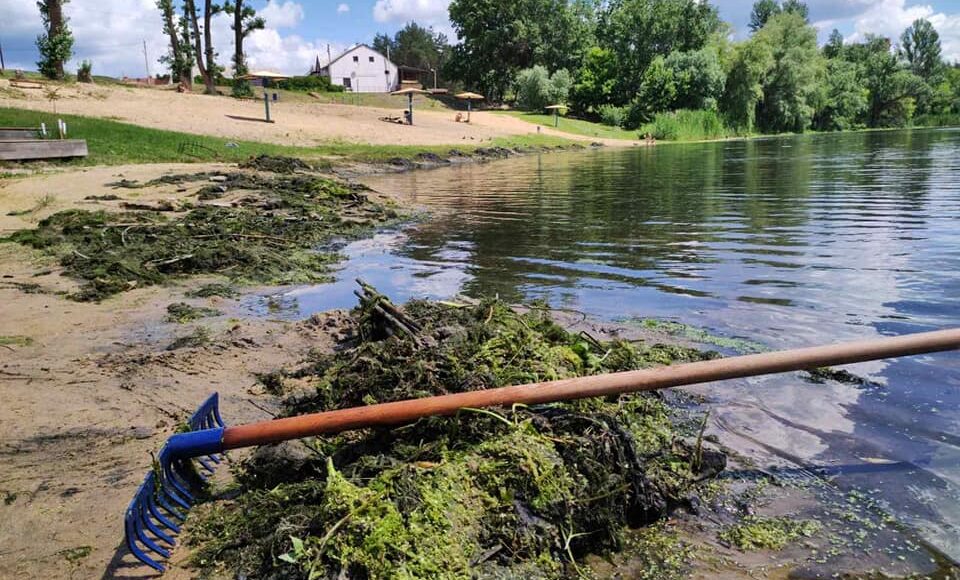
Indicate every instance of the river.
{"type": "Point", "coordinates": [787, 242]}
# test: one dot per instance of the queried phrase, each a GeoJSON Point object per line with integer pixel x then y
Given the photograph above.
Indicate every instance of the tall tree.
{"type": "Point", "coordinates": [762, 11]}
{"type": "Point", "coordinates": [798, 7]}
{"type": "Point", "coordinates": [180, 56]}
{"type": "Point", "coordinates": [893, 87]}
{"type": "Point", "coordinates": [744, 87]}
{"type": "Point", "coordinates": [56, 43]}
{"type": "Point", "coordinates": [500, 37]}
{"type": "Point", "coordinates": [245, 21]}
{"type": "Point", "coordinates": [834, 46]}
{"type": "Point", "coordinates": [791, 84]}
{"type": "Point", "coordinates": [203, 45]}
{"type": "Point", "coordinates": [920, 46]}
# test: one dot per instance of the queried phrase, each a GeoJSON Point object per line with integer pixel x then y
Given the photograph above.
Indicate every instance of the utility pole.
{"type": "Point", "coordinates": [146, 61]}
{"type": "Point", "coordinates": [3, 67]}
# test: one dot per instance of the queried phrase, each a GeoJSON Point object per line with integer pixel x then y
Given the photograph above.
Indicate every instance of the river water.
{"type": "Point", "coordinates": [787, 242]}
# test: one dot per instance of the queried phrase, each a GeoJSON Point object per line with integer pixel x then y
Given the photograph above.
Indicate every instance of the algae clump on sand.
{"type": "Point", "coordinates": [269, 232]}
{"type": "Point", "coordinates": [521, 492]}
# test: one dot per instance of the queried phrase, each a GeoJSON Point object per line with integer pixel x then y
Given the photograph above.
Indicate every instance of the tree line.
{"type": "Point", "coordinates": [626, 61]}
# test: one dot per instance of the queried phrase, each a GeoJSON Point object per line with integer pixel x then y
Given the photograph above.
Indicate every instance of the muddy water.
{"type": "Point", "coordinates": [786, 241]}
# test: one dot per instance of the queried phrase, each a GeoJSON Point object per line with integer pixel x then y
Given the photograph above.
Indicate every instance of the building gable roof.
{"type": "Point", "coordinates": [353, 48]}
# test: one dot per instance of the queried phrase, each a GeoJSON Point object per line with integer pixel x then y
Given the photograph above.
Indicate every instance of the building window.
{"type": "Point", "coordinates": [356, 59]}
{"type": "Point", "coordinates": [371, 59]}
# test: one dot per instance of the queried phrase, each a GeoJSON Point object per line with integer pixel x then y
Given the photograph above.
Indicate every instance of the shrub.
{"type": "Point", "coordinates": [310, 83]}
{"type": "Point", "coordinates": [85, 72]}
{"type": "Point", "coordinates": [686, 125]}
{"type": "Point", "coordinates": [536, 88]}
{"type": "Point", "coordinates": [612, 115]}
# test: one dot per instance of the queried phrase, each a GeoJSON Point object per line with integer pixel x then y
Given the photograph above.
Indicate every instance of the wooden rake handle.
{"type": "Point", "coordinates": [401, 412]}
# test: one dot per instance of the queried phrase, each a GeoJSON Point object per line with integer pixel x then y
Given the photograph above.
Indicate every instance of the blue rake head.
{"type": "Point", "coordinates": [159, 507]}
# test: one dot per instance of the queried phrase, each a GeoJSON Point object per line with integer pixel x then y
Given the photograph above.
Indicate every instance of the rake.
{"type": "Point", "coordinates": [160, 505]}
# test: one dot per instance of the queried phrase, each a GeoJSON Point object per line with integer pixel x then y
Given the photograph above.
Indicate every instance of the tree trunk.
{"type": "Point", "coordinates": [239, 63]}
{"type": "Point", "coordinates": [210, 78]}
{"type": "Point", "coordinates": [55, 11]}
{"type": "Point", "coordinates": [176, 70]}
{"type": "Point", "coordinates": [197, 44]}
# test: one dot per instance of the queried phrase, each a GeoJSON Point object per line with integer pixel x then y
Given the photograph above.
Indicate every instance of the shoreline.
{"type": "Point", "coordinates": [140, 390]}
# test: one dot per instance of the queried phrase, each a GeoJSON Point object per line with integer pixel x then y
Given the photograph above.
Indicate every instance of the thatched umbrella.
{"type": "Point", "coordinates": [470, 98]}
{"type": "Point", "coordinates": [556, 113]}
{"type": "Point", "coordinates": [410, 92]}
{"type": "Point", "coordinates": [265, 75]}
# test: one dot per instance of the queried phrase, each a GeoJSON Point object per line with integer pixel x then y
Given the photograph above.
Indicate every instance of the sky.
{"type": "Point", "coordinates": [114, 33]}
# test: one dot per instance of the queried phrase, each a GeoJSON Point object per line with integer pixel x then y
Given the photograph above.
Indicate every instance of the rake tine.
{"type": "Point", "coordinates": [159, 516]}
{"type": "Point", "coordinates": [154, 528]}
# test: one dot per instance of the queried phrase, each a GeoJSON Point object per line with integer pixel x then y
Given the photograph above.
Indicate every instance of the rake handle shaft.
{"type": "Point", "coordinates": [401, 412]}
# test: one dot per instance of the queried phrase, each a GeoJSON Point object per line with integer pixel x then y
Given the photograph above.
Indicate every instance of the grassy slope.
{"type": "Point", "coordinates": [575, 126]}
{"type": "Point", "coordinates": [114, 143]}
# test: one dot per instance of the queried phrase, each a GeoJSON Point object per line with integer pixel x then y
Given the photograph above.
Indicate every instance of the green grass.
{"type": "Point", "coordinates": [575, 126]}
{"type": "Point", "coordinates": [115, 143]}
{"type": "Point", "coordinates": [687, 125]}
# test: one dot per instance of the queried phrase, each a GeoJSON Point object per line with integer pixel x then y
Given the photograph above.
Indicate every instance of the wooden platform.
{"type": "Point", "coordinates": [18, 133]}
{"type": "Point", "coordinates": [21, 150]}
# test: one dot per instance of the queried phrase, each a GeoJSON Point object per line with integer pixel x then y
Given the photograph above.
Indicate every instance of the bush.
{"type": "Point", "coordinates": [686, 125]}
{"type": "Point", "coordinates": [612, 115]}
{"type": "Point", "coordinates": [85, 72]}
{"type": "Point", "coordinates": [310, 83]}
{"type": "Point", "coordinates": [536, 88]}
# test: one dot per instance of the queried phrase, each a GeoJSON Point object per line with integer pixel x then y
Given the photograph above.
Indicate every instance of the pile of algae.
{"type": "Point", "coordinates": [525, 492]}
{"type": "Point", "coordinates": [268, 233]}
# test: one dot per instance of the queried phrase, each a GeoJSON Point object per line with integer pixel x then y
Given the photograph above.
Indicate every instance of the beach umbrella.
{"type": "Point", "coordinates": [556, 113]}
{"type": "Point", "coordinates": [410, 92]}
{"type": "Point", "coordinates": [265, 75]}
{"type": "Point", "coordinates": [470, 98]}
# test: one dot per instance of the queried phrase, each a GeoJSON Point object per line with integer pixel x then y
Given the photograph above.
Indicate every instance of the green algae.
{"type": "Point", "coordinates": [182, 313]}
{"type": "Point", "coordinates": [270, 236]}
{"type": "Point", "coordinates": [769, 533]}
{"type": "Point", "coordinates": [701, 336]}
{"type": "Point", "coordinates": [499, 493]}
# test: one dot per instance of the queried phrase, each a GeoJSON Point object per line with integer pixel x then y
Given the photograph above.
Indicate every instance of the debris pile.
{"type": "Point", "coordinates": [268, 232]}
{"type": "Point", "coordinates": [522, 492]}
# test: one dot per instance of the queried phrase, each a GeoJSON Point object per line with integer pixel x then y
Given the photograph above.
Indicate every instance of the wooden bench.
{"type": "Point", "coordinates": [22, 150]}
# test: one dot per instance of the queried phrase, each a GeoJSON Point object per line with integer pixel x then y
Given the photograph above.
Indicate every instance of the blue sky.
{"type": "Point", "coordinates": [111, 33]}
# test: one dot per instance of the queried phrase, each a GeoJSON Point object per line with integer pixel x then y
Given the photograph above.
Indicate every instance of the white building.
{"type": "Point", "coordinates": [363, 70]}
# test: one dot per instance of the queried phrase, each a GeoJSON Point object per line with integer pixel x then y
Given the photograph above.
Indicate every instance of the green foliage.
{"type": "Point", "coordinates": [416, 46]}
{"type": "Point", "coordinates": [790, 85]}
{"type": "Point", "coordinates": [762, 11]}
{"type": "Point", "coordinates": [501, 37]}
{"type": "Point", "coordinates": [893, 88]}
{"type": "Point", "coordinates": [686, 125]}
{"type": "Point", "coordinates": [85, 72]}
{"type": "Point", "coordinates": [834, 46]}
{"type": "Point", "coordinates": [744, 87]}
{"type": "Point", "coordinates": [182, 313]}
{"type": "Point", "coordinates": [761, 533]}
{"type": "Point", "coordinates": [520, 492]}
{"type": "Point", "coordinates": [180, 57]}
{"type": "Point", "coordinates": [310, 83]}
{"type": "Point", "coordinates": [612, 115]}
{"type": "Point", "coordinates": [920, 47]}
{"type": "Point", "coordinates": [698, 78]}
{"type": "Point", "coordinates": [56, 43]}
{"type": "Point", "coordinates": [844, 99]}
{"type": "Point", "coordinates": [596, 80]}
{"type": "Point", "coordinates": [536, 88]}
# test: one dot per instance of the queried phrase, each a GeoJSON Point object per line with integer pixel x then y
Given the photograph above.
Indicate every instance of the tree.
{"type": "Point", "coordinates": [920, 46]}
{"type": "Point", "coordinates": [893, 87]}
{"type": "Point", "coordinates": [180, 56]}
{"type": "Point", "coordinates": [415, 46]}
{"type": "Point", "coordinates": [790, 86]}
{"type": "Point", "coordinates": [245, 21]}
{"type": "Point", "coordinates": [56, 43]}
{"type": "Point", "coordinates": [536, 88]}
{"type": "Point", "coordinates": [595, 81]}
{"type": "Point", "coordinates": [762, 11]}
{"type": "Point", "coordinates": [844, 98]}
{"type": "Point", "coordinates": [744, 87]}
{"type": "Point", "coordinates": [798, 7]}
{"type": "Point", "coordinates": [637, 31]}
{"type": "Point", "coordinates": [834, 46]}
{"type": "Point", "coordinates": [203, 46]}
{"type": "Point", "coordinates": [698, 78]}
{"type": "Point", "coordinates": [498, 38]}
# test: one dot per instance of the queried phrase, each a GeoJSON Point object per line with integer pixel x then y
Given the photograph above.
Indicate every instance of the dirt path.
{"type": "Point", "coordinates": [297, 123]}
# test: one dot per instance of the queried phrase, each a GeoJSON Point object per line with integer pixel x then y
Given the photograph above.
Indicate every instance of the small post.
{"type": "Point", "coordinates": [410, 106]}
{"type": "Point", "coordinates": [556, 117]}
{"type": "Point", "coordinates": [266, 100]}
{"type": "Point", "coordinates": [3, 66]}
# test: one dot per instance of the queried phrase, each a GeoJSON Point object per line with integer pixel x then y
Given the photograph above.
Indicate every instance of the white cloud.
{"type": "Point", "coordinates": [890, 17]}
{"type": "Point", "coordinates": [343, 8]}
{"type": "Point", "coordinates": [434, 13]}
{"type": "Point", "coordinates": [282, 15]}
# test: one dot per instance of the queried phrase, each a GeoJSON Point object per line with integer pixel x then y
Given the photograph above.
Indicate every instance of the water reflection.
{"type": "Point", "coordinates": [790, 242]}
